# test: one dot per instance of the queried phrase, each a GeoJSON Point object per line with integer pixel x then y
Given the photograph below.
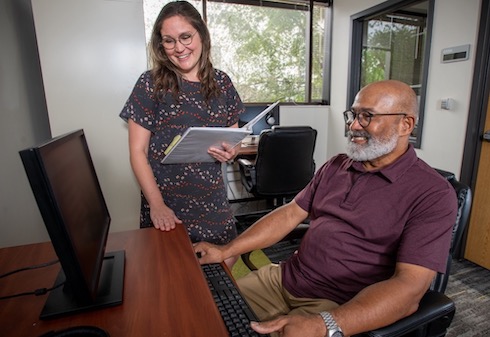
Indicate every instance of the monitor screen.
{"type": "Point", "coordinates": [71, 203]}
{"type": "Point", "coordinates": [252, 110]}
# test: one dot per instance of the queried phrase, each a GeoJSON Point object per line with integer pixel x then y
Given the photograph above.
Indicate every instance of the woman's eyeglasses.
{"type": "Point", "coordinates": [185, 39]}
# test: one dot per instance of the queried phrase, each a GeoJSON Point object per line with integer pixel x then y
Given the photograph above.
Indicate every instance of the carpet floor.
{"type": "Point", "coordinates": [469, 288]}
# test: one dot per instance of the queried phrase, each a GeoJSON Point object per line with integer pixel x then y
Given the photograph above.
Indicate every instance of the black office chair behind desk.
{"type": "Point", "coordinates": [436, 310]}
{"type": "Point", "coordinates": [284, 163]}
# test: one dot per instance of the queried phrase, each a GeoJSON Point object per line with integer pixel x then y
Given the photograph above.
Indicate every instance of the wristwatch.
{"type": "Point", "coordinates": [333, 330]}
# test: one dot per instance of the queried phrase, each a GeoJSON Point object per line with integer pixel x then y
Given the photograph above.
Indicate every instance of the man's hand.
{"type": "Point", "coordinates": [293, 326]}
{"type": "Point", "coordinates": [209, 253]}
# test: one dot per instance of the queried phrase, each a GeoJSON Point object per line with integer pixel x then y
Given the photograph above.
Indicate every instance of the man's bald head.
{"type": "Point", "coordinates": [396, 96]}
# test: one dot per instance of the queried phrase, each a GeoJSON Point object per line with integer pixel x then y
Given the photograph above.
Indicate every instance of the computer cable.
{"type": "Point", "coordinates": [37, 292]}
{"type": "Point", "coordinates": [47, 264]}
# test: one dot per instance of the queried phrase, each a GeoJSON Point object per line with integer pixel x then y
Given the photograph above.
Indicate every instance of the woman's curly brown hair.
{"type": "Point", "coordinates": [166, 75]}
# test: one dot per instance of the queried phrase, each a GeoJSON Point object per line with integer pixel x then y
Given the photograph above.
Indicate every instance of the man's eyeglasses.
{"type": "Point", "coordinates": [185, 39]}
{"type": "Point", "coordinates": [364, 117]}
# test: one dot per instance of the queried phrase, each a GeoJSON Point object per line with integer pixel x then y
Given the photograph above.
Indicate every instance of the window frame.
{"type": "Point", "coordinates": [354, 78]}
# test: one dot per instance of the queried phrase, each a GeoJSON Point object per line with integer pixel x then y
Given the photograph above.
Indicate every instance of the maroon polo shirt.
{"type": "Point", "coordinates": [362, 223]}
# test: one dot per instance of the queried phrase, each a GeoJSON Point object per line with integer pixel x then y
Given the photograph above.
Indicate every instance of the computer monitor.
{"type": "Point", "coordinates": [252, 110]}
{"type": "Point", "coordinates": [70, 200]}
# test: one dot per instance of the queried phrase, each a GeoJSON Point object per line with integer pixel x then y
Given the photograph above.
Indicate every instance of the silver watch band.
{"type": "Point", "coordinates": [333, 330]}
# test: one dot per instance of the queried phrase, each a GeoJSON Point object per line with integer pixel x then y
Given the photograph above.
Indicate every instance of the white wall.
{"type": "Point", "coordinates": [92, 53]}
{"type": "Point", "coordinates": [455, 23]}
{"type": "Point", "coordinates": [315, 116]}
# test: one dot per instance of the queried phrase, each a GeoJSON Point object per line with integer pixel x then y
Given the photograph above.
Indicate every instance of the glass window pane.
{"type": "Point", "coordinates": [319, 51]}
{"type": "Point", "coordinates": [393, 48]}
{"type": "Point", "coordinates": [261, 48]}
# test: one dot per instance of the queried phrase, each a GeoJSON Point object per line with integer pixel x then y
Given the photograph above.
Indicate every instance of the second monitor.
{"type": "Point", "coordinates": [252, 110]}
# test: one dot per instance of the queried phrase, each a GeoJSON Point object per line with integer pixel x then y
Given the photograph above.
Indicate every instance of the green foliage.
{"type": "Point", "coordinates": [263, 50]}
{"type": "Point", "coordinates": [392, 51]}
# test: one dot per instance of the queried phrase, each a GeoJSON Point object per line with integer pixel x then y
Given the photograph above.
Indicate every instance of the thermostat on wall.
{"type": "Point", "coordinates": [453, 54]}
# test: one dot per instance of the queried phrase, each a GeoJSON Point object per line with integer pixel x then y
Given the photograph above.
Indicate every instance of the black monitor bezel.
{"type": "Point", "coordinates": [80, 290]}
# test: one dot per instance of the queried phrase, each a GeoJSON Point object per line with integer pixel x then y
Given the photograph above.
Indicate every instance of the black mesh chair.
{"type": "Point", "coordinates": [284, 163]}
{"type": "Point", "coordinates": [436, 310]}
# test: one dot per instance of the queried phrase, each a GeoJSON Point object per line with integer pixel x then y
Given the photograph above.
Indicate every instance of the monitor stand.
{"type": "Point", "coordinates": [110, 292]}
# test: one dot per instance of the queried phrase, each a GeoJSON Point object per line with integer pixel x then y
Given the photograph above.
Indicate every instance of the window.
{"type": "Point", "coordinates": [393, 43]}
{"type": "Point", "coordinates": [271, 50]}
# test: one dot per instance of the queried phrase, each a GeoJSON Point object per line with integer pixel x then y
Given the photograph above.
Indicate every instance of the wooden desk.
{"type": "Point", "coordinates": [246, 150]}
{"type": "Point", "coordinates": [165, 293]}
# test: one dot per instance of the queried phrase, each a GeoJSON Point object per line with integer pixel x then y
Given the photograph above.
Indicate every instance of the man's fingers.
{"type": "Point", "coordinates": [269, 326]}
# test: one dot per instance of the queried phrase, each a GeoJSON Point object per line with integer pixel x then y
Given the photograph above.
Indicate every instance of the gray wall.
{"type": "Point", "coordinates": [91, 54]}
{"type": "Point", "coordinates": [24, 121]}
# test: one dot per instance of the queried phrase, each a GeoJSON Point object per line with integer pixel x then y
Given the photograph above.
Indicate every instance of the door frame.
{"type": "Point", "coordinates": [479, 101]}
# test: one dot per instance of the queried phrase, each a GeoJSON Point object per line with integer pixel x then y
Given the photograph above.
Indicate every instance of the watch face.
{"type": "Point", "coordinates": [338, 334]}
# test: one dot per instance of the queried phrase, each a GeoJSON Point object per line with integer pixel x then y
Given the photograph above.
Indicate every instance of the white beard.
{"type": "Point", "coordinates": [374, 148]}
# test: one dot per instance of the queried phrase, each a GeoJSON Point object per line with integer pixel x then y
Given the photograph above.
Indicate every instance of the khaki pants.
{"type": "Point", "coordinates": [264, 292]}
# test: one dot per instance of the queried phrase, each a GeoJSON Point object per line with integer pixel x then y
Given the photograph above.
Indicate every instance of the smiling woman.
{"type": "Point", "coordinates": [181, 90]}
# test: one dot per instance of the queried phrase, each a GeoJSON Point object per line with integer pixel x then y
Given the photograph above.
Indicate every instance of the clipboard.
{"type": "Point", "coordinates": [193, 145]}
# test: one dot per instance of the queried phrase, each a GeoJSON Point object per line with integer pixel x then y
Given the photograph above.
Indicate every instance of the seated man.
{"type": "Point", "coordinates": [380, 228]}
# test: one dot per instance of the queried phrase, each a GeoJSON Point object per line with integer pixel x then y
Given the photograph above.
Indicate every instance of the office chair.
{"type": "Point", "coordinates": [436, 310]}
{"type": "Point", "coordinates": [284, 163]}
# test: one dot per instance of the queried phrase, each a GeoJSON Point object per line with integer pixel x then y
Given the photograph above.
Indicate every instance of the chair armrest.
{"type": "Point", "coordinates": [298, 232]}
{"type": "Point", "coordinates": [245, 162]}
{"type": "Point", "coordinates": [246, 260]}
{"type": "Point", "coordinates": [433, 306]}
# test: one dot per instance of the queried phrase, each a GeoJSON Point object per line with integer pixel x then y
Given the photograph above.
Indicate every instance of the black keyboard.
{"type": "Point", "coordinates": [234, 310]}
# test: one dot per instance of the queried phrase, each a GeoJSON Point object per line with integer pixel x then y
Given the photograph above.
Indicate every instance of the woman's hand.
{"type": "Point", "coordinates": [163, 218]}
{"type": "Point", "coordinates": [223, 155]}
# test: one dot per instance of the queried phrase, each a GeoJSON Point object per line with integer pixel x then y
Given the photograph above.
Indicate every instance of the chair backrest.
{"type": "Point", "coordinates": [463, 193]}
{"type": "Point", "coordinates": [284, 163]}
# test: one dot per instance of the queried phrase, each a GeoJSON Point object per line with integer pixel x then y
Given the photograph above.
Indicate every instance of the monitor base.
{"type": "Point", "coordinates": [110, 292]}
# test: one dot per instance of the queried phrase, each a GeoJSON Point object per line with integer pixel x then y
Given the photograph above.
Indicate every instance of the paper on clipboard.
{"type": "Point", "coordinates": [195, 142]}
{"type": "Point", "coordinates": [193, 145]}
